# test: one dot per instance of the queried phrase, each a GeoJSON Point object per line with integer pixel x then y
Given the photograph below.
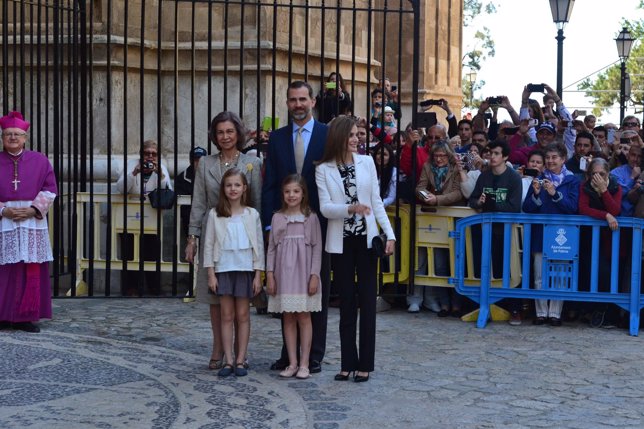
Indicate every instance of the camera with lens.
{"type": "Point", "coordinates": [426, 103]}
{"type": "Point", "coordinates": [540, 181]}
{"type": "Point", "coordinates": [148, 165]}
{"type": "Point", "coordinates": [494, 101]}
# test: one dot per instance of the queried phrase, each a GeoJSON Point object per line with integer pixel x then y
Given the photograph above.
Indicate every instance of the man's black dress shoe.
{"type": "Point", "coordinates": [279, 365]}
{"type": "Point", "coordinates": [5, 325]}
{"type": "Point", "coordinates": [26, 326]}
{"type": "Point", "coordinates": [315, 367]}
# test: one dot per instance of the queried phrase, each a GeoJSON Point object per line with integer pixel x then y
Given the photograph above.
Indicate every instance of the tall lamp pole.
{"type": "Point", "coordinates": [561, 11]}
{"type": "Point", "coordinates": [471, 77]}
{"type": "Point", "coordinates": [624, 43]}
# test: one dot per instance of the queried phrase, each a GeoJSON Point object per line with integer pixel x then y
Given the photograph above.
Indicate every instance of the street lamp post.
{"type": "Point", "coordinates": [471, 77]}
{"type": "Point", "coordinates": [561, 11]}
{"type": "Point", "coordinates": [624, 43]}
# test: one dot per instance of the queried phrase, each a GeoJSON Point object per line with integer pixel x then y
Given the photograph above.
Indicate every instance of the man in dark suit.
{"type": "Point", "coordinates": [288, 147]}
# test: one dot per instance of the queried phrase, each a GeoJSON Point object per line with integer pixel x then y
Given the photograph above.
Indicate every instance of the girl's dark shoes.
{"type": "Point", "coordinates": [240, 370]}
{"type": "Point", "coordinates": [226, 371]}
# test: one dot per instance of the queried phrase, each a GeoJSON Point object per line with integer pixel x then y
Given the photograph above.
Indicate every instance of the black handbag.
{"type": "Point", "coordinates": [162, 198]}
{"type": "Point", "coordinates": [379, 244]}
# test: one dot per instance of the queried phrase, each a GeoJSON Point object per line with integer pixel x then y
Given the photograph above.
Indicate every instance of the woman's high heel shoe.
{"type": "Point", "coordinates": [361, 378]}
{"type": "Point", "coordinates": [342, 377]}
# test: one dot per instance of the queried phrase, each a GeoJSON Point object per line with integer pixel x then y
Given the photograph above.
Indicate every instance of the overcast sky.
{"type": "Point", "coordinates": [526, 49]}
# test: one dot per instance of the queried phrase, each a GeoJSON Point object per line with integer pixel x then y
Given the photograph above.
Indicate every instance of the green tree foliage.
{"type": "Point", "coordinates": [604, 89]}
{"type": "Point", "coordinates": [479, 48]}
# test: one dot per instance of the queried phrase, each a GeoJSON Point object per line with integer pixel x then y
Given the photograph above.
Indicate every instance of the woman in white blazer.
{"type": "Point", "coordinates": [350, 200]}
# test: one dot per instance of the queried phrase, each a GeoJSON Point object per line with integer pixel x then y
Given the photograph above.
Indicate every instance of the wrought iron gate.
{"type": "Point", "coordinates": [98, 78]}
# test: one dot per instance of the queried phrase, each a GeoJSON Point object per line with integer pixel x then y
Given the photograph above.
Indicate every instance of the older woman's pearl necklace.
{"type": "Point", "coordinates": [231, 162]}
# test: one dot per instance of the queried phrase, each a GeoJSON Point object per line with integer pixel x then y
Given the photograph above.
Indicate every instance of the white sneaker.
{"type": "Point", "coordinates": [413, 308]}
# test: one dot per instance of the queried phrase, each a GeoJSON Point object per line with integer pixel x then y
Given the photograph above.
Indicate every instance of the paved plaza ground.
{"type": "Point", "coordinates": [142, 363]}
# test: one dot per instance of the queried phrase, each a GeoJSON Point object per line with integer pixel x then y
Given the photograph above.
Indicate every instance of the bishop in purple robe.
{"type": "Point", "coordinates": [27, 190]}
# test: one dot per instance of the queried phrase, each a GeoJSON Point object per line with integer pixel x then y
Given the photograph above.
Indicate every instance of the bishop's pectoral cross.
{"type": "Point", "coordinates": [15, 180]}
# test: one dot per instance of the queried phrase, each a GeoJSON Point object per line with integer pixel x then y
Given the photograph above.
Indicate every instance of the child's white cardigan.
{"type": "Point", "coordinates": [217, 228]}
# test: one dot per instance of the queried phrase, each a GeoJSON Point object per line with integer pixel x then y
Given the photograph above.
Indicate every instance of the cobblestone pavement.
{"type": "Point", "coordinates": [137, 363]}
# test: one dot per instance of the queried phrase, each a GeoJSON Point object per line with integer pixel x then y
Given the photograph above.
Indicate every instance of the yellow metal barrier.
{"type": "Point", "coordinates": [432, 232]}
{"type": "Point", "coordinates": [133, 225]}
{"type": "Point", "coordinates": [388, 276]}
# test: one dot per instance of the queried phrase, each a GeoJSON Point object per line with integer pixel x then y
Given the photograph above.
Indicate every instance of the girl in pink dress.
{"type": "Point", "coordinates": [293, 271]}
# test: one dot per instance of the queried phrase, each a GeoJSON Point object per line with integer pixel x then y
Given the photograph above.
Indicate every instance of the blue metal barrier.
{"type": "Point", "coordinates": [560, 266]}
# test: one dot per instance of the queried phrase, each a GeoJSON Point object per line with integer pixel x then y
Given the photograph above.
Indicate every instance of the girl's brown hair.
{"type": "Point", "coordinates": [304, 204]}
{"type": "Point", "coordinates": [337, 138]}
{"type": "Point", "coordinates": [223, 205]}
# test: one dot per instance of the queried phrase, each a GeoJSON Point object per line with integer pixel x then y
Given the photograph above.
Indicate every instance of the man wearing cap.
{"type": "Point", "coordinates": [27, 191]}
{"type": "Point", "coordinates": [546, 134]}
{"type": "Point", "coordinates": [184, 183]}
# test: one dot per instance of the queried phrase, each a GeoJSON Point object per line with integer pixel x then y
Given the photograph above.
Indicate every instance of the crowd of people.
{"type": "Point", "coordinates": [315, 202]}
{"type": "Point", "coordinates": [544, 160]}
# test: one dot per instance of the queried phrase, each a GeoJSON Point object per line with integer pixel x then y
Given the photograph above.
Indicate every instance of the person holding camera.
{"type": "Point", "coordinates": [439, 185]}
{"type": "Point", "coordinates": [627, 176]}
{"type": "Point", "coordinates": [586, 148]}
{"type": "Point", "coordinates": [494, 127]}
{"type": "Point", "coordinates": [469, 167]}
{"type": "Point", "coordinates": [452, 129]}
{"type": "Point", "coordinates": [556, 191]}
{"type": "Point", "coordinates": [333, 100]}
{"type": "Point", "coordinates": [144, 174]}
{"type": "Point", "coordinates": [530, 109]}
{"type": "Point", "coordinates": [498, 189]}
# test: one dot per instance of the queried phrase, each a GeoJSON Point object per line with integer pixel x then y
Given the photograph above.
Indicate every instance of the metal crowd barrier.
{"type": "Point", "coordinates": [433, 226]}
{"type": "Point", "coordinates": [94, 254]}
{"type": "Point", "coordinates": [400, 258]}
{"type": "Point", "coordinates": [561, 258]}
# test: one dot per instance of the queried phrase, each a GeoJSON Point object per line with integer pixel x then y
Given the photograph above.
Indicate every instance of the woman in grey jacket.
{"type": "Point", "coordinates": [228, 133]}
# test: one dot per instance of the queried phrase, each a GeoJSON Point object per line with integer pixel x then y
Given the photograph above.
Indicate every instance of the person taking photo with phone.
{"type": "Point", "coordinates": [498, 189]}
{"type": "Point", "coordinates": [333, 100]}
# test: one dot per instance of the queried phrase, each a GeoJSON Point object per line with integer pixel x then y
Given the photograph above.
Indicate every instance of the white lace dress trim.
{"type": "Point", "coordinates": [294, 304]}
{"type": "Point", "coordinates": [24, 241]}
